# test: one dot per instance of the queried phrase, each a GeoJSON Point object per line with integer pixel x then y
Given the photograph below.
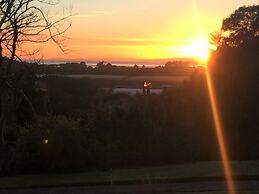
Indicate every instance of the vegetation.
{"type": "Point", "coordinates": [73, 125]}
{"type": "Point", "coordinates": [21, 21]}
{"type": "Point", "coordinates": [235, 67]}
{"type": "Point", "coordinates": [100, 130]}
{"type": "Point", "coordinates": [103, 68]}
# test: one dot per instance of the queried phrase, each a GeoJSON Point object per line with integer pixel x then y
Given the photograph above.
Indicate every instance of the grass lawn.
{"type": "Point", "coordinates": [201, 170]}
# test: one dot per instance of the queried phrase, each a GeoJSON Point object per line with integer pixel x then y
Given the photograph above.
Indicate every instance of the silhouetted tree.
{"type": "Point", "coordinates": [100, 65]}
{"type": "Point", "coordinates": [22, 21]}
{"type": "Point", "coordinates": [235, 68]}
{"type": "Point", "coordinates": [240, 28]}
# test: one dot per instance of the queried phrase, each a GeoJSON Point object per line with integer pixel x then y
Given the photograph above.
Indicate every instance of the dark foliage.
{"type": "Point", "coordinates": [235, 69]}
{"type": "Point", "coordinates": [82, 127]}
{"type": "Point", "coordinates": [99, 130]}
{"type": "Point", "coordinates": [103, 68]}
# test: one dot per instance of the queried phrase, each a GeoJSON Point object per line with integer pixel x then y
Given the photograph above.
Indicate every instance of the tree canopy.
{"type": "Point", "coordinates": [240, 28]}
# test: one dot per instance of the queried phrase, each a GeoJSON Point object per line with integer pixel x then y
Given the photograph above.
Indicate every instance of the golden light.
{"type": "Point", "coordinates": [197, 49]}
{"type": "Point", "coordinates": [201, 49]}
{"type": "Point", "coordinates": [147, 85]}
{"type": "Point", "coordinates": [45, 141]}
{"type": "Point", "coordinates": [220, 135]}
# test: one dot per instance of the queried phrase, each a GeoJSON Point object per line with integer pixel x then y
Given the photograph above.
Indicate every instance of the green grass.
{"type": "Point", "coordinates": [145, 175]}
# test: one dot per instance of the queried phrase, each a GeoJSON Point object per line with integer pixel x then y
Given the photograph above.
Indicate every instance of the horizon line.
{"type": "Point", "coordinates": [118, 60]}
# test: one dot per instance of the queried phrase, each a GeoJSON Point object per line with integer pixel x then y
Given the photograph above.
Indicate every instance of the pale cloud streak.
{"type": "Point", "coordinates": [130, 42]}
{"type": "Point", "coordinates": [92, 13]}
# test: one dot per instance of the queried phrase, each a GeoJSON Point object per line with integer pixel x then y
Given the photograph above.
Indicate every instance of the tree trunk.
{"type": "Point", "coordinates": [4, 116]}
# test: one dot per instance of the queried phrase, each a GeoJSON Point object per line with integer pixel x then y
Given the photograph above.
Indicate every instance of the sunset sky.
{"type": "Point", "coordinates": [121, 30]}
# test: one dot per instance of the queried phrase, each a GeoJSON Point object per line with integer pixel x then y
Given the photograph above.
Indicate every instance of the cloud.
{"type": "Point", "coordinates": [130, 42]}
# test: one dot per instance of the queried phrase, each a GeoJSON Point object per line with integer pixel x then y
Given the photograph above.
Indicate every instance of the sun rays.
{"type": "Point", "coordinates": [200, 49]}
{"type": "Point", "coordinates": [197, 49]}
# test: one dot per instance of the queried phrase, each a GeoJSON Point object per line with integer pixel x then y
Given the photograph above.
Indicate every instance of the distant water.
{"type": "Point", "coordinates": [121, 64]}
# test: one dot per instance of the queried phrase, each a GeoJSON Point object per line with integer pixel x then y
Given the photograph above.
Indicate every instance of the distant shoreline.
{"type": "Point", "coordinates": [118, 64]}
{"type": "Point", "coordinates": [176, 78]}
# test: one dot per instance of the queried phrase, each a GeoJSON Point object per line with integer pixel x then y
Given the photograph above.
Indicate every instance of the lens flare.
{"type": "Point", "coordinates": [214, 106]}
{"type": "Point", "coordinates": [198, 49]}
{"type": "Point", "coordinates": [220, 136]}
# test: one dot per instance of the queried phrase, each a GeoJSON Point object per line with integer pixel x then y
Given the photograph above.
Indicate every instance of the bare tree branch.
{"type": "Point", "coordinates": [23, 21]}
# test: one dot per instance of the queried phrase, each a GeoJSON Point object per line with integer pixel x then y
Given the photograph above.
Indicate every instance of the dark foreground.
{"type": "Point", "coordinates": [206, 186]}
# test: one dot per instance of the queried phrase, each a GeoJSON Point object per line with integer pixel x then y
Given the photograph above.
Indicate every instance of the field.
{"type": "Point", "coordinates": [114, 81]}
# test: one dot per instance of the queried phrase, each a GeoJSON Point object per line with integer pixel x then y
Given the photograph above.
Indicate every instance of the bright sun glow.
{"type": "Point", "coordinates": [198, 49]}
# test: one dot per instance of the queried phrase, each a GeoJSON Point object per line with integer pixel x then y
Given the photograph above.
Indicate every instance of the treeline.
{"type": "Point", "coordinates": [80, 127]}
{"type": "Point", "coordinates": [104, 68]}
{"type": "Point", "coordinates": [235, 71]}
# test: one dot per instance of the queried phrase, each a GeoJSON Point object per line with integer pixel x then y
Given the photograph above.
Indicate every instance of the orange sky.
{"type": "Point", "coordinates": [139, 29]}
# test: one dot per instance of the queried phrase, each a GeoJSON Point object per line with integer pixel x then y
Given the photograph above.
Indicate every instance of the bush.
{"type": "Point", "coordinates": [54, 143]}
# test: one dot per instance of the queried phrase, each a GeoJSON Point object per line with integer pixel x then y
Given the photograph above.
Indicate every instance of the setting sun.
{"type": "Point", "coordinates": [132, 30]}
{"type": "Point", "coordinates": [198, 49]}
{"type": "Point", "coordinates": [104, 89]}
